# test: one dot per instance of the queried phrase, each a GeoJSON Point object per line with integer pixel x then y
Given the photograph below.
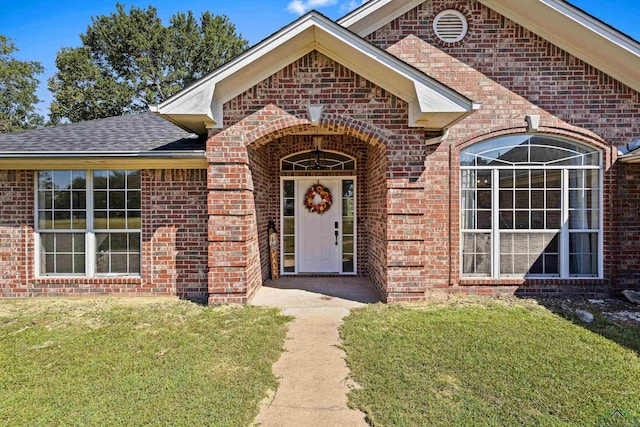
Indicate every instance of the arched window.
{"type": "Point", "coordinates": [318, 160]}
{"type": "Point", "coordinates": [531, 206]}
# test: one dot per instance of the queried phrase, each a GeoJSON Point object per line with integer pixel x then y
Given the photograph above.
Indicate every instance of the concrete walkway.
{"type": "Point", "coordinates": [312, 371]}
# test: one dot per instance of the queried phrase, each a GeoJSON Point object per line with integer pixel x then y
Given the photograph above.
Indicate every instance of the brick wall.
{"type": "Point", "coordinates": [627, 228]}
{"type": "Point", "coordinates": [174, 235]}
{"type": "Point", "coordinates": [16, 232]}
{"type": "Point", "coordinates": [512, 72]}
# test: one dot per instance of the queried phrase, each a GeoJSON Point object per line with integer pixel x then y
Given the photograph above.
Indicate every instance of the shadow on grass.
{"type": "Point", "coordinates": [625, 333]}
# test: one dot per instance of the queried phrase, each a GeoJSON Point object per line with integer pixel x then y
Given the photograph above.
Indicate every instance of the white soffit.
{"type": "Point", "coordinates": [432, 104]}
{"type": "Point", "coordinates": [375, 14]}
{"type": "Point", "coordinates": [578, 33]}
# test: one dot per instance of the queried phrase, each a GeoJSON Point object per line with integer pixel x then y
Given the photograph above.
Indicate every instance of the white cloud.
{"type": "Point", "coordinates": [352, 4]}
{"type": "Point", "coordinates": [300, 7]}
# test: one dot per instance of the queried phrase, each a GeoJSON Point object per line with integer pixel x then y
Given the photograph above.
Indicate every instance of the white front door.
{"type": "Point", "coordinates": [319, 234]}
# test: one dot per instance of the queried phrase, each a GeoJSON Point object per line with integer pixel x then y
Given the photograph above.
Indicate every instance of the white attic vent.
{"type": "Point", "coordinates": [450, 26]}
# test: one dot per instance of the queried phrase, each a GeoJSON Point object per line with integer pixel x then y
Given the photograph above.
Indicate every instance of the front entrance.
{"type": "Point", "coordinates": [313, 242]}
{"type": "Point", "coordinates": [319, 236]}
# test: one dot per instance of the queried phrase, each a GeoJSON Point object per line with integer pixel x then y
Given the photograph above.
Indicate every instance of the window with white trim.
{"type": "Point", "coordinates": [531, 207]}
{"type": "Point", "coordinates": [89, 222]}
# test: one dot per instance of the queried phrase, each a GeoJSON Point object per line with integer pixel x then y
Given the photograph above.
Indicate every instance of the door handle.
{"type": "Point", "coordinates": [336, 237]}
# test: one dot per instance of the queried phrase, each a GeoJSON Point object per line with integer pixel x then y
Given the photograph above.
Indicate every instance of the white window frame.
{"type": "Point", "coordinates": [495, 231]}
{"type": "Point", "coordinates": [89, 232]}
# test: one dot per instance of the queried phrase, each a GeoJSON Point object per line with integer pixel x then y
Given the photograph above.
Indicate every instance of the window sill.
{"type": "Point", "coordinates": [518, 281]}
{"type": "Point", "coordinates": [87, 280]}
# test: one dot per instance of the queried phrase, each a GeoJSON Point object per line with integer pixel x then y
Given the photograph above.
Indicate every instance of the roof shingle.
{"type": "Point", "coordinates": [131, 133]}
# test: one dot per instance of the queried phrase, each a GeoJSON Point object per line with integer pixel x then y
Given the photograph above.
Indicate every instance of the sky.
{"type": "Point", "coordinates": [40, 28]}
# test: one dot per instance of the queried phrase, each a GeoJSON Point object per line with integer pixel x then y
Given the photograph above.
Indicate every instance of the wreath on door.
{"type": "Point", "coordinates": [318, 199]}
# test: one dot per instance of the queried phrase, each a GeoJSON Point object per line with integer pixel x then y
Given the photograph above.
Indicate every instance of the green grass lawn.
{"type": "Point", "coordinates": [470, 362]}
{"type": "Point", "coordinates": [134, 362]}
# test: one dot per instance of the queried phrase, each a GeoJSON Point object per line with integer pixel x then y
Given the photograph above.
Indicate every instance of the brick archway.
{"type": "Point", "coordinates": [241, 184]}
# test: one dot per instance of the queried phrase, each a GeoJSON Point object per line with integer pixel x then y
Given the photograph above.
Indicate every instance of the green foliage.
{"type": "Point", "coordinates": [135, 362]}
{"type": "Point", "coordinates": [18, 84]}
{"type": "Point", "coordinates": [485, 363]}
{"type": "Point", "coordinates": [129, 60]}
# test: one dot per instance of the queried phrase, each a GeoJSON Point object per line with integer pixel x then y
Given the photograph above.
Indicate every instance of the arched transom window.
{"type": "Point", "coordinates": [531, 206]}
{"type": "Point", "coordinates": [318, 160]}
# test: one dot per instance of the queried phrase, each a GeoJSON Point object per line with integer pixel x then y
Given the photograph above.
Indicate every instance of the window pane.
{"type": "Point", "coordinates": [347, 225]}
{"type": "Point", "coordinates": [134, 220]}
{"type": "Point", "coordinates": [45, 220]}
{"type": "Point", "coordinates": [62, 179]}
{"type": "Point", "coordinates": [45, 200]}
{"type": "Point", "coordinates": [62, 220]}
{"type": "Point", "coordinates": [102, 262]}
{"type": "Point", "coordinates": [484, 199]}
{"type": "Point", "coordinates": [100, 200]}
{"type": "Point", "coordinates": [134, 264]}
{"type": "Point", "coordinates": [117, 179]}
{"type": "Point", "coordinates": [522, 178]}
{"type": "Point", "coordinates": [79, 221]}
{"type": "Point", "coordinates": [102, 242]}
{"type": "Point", "coordinates": [289, 245]}
{"type": "Point", "coordinates": [133, 200]}
{"type": "Point", "coordinates": [484, 220]}
{"type": "Point", "coordinates": [79, 200]}
{"type": "Point", "coordinates": [47, 242]}
{"type": "Point", "coordinates": [100, 179]}
{"type": "Point", "coordinates": [64, 263]}
{"type": "Point", "coordinates": [347, 244]}
{"type": "Point", "coordinates": [483, 179]}
{"type": "Point", "coordinates": [348, 207]}
{"type": "Point", "coordinates": [289, 207]}
{"type": "Point", "coordinates": [347, 264]}
{"type": "Point", "coordinates": [100, 220]}
{"type": "Point", "coordinates": [117, 200]}
{"type": "Point", "coordinates": [522, 199]}
{"type": "Point", "coordinates": [506, 179]}
{"type": "Point", "coordinates": [554, 179]}
{"type": "Point", "coordinates": [468, 220]}
{"type": "Point", "coordinates": [468, 180]}
{"type": "Point", "coordinates": [62, 200]}
{"type": "Point", "coordinates": [289, 226]}
{"type": "Point", "coordinates": [289, 263]}
{"type": "Point", "coordinates": [554, 199]}
{"type": "Point", "coordinates": [347, 188]}
{"type": "Point", "coordinates": [506, 220]}
{"type": "Point", "coordinates": [506, 199]}
{"type": "Point", "coordinates": [133, 180]}
{"type": "Point", "coordinates": [64, 243]}
{"type": "Point", "coordinates": [45, 179]}
{"type": "Point", "coordinates": [537, 220]}
{"type": "Point", "coordinates": [289, 188]}
{"type": "Point", "coordinates": [117, 220]}
{"type": "Point", "coordinates": [119, 263]}
{"type": "Point", "coordinates": [537, 179]}
{"type": "Point", "coordinates": [134, 242]}
{"type": "Point", "coordinates": [522, 220]}
{"type": "Point", "coordinates": [79, 180]}
{"type": "Point", "coordinates": [119, 242]}
{"type": "Point", "coordinates": [554, 220]}
{"type": "Point", "coordinates": [537, 199]}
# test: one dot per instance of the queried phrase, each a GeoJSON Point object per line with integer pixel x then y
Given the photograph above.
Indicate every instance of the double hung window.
{"type": "Point", "coordinates": [88, 222]}
{"type": "Point", "coordinates": [531, 207]}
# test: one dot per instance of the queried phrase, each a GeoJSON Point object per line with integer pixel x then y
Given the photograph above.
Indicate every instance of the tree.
{"type": "Point", "coordinates": [129, 61]}
{"type": "Point", "coordinates": [18, 84]}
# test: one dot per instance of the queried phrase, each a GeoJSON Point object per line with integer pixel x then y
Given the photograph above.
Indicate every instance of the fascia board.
{"type": "Point", "coordinates": [578, 33]}
{"type": "Point", "coordinates": [375, 14]}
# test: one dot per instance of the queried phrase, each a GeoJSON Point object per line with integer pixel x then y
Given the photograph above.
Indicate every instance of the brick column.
{"type": "Point", "coordinates": [234, 260]}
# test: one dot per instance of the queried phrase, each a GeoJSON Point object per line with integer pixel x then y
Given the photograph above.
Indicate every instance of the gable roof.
{"type": "Point", "coordinates": [557, 21]}
{"type": "Point", "coordinates": [121, 134]}
{"type": "Point", "coordinates": [432, 105]}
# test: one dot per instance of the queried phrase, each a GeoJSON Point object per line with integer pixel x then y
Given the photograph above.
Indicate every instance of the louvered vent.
{"type": "Point", "coordinates": [450, 26]}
